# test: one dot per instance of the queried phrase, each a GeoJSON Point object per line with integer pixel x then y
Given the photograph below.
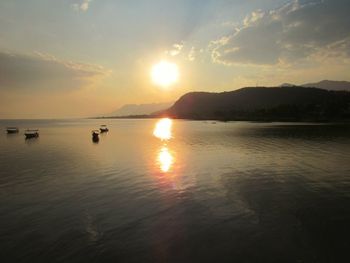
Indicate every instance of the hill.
{"type": "Point", "coordinates": [140, 109]}
{"type": "Point", "coordinates": [264, 104]}
{"type": "Point", "coordinates": [330, 85]}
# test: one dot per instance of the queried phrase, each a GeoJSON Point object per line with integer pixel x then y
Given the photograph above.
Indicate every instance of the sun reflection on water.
{"type": "Point", "coordinates": [165, 159]}
{"type": "Point", "coordinates": [168, 170]}
{"type": "Point", "coordinates": [163, 129]}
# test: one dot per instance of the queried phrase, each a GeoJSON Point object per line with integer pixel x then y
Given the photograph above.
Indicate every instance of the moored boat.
{"type": "Point", "coordinates": [95, 135]}
{"type": "Point", "coordinates": [31, 134]}
{"type": "Point", "coordinates": [104, 128]}
{"type": "Point", "coordinates": [12, 130]}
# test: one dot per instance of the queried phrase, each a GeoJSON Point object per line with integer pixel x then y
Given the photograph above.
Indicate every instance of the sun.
{"type": "Point", "coordinates": [165, 73]}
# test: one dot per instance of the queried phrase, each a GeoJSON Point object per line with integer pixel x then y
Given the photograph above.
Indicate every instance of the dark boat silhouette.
{"type": "Point", "coordinates": [104, 128]}
{"type": "Point", "coordinates": [12, 130]}
{"type": "Point", "coordinates": [95, 135]}
{"type": "Point", "coordinates": [31, 134]}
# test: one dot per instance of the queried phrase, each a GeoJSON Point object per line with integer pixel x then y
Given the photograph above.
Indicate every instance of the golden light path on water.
{"type": "Point", "coordinates": [162, 131]}
{"type": "Point", "coordinates": [165, 159]}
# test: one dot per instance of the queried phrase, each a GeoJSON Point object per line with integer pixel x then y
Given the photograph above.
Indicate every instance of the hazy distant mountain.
{"type": "Point", "coordinates": [324, 84]}
{"type": "Point", "coordinates": [260, 103]}
{"type": "Point", "coordinates": [140, 109]}
{"type": "Point", "coordinates": [330, 85]}
{"type": "Point", "coordinates": [287, 85]}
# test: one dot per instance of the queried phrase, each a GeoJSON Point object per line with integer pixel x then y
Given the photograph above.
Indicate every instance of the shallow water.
{"type": "Point", "coordinates": [214, 192]}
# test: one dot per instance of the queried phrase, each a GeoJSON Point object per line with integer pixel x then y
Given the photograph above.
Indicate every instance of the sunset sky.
{"type": "Point", "coordinates": [78, 58]}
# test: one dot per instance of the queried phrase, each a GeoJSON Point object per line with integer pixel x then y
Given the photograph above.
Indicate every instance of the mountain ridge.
{"type": "Point", "coordinates": [325, 100]}
{"type": "Point", "coordinates": [140, 109]}
{"type": "Point", "coordinates": [294, 103]}
{"type": "Point", "coordinates": [323, 84]}
{"type": "Point", "coordinates": [330, 85]}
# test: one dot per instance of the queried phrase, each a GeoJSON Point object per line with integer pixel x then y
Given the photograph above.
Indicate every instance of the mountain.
{"type": "Point", "coordinates": [287, 85]}
{"type": "Point", "coordinates": [330, 85]}
{"type": "Point", "coordinates": [261, 103]}
{"type": "Point", "coordinates": [140, 109]}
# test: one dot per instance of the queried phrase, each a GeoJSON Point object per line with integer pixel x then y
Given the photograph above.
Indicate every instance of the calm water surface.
{"type": "Point", "coordinates": [187, 192]}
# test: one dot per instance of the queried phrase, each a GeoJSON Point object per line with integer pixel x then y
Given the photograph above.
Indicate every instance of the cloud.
{"type": "Point", "coordinates": [82, 6]}
{"type": "Point", "coordinates": [297, 31]}
{"type": "Point", "coordinates": [175, 50]}
{"type": "Point", "coordinates": [44, 72]}
{"type": "Point", "coordinates": [192, 54]}
{"type": "Point", "coordinates": [185, 51]}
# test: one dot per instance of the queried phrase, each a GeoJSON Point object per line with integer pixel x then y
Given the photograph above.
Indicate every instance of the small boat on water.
{"type": "Point", "coordinates": [104, 128]}
{"type": "Point", "coordinates": [12, 130]}
{"type": "Point", "coordinates": [31, 134]}
{"type": "Point", "coordinates": [95, 135]}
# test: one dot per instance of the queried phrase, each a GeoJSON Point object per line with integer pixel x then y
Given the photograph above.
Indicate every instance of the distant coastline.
{"type": "Point", "coordinates": [263, 104]}
{"type": "Point", "coordinates": [144, 116]}
{"type": "Point", "coordinates": [267, 120]}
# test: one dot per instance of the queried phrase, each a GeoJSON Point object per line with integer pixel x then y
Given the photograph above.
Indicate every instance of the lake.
{"type": "Point", "coordinates": [175, 191]}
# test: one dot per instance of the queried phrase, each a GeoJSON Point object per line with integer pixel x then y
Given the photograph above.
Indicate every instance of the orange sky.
{"type": "Point", "coordinates": [84, 58]}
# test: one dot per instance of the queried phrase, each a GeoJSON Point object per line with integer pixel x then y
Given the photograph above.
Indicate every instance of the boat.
{"type": "Point", "coordinates": [104, 128]}
{"type": "Point", "coordinates": [12, 130]}
{"type": "Point", "coordinates": [31, 134]}
{"type": "Point", "coordinates": [95, 135]}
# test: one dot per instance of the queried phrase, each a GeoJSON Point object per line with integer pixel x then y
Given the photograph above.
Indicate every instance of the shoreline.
{"type": "Point", "coordinates": [256, 120]}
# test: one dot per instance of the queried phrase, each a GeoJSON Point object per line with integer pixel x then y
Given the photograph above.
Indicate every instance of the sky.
{"type": "Point", "coordinates": [80, 58]}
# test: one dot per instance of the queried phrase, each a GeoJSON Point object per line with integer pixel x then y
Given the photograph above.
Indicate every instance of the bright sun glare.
{"type": "Point", "coordinates": [163, 129]}
{"type": "Point", "coordinates": [165, 159]}
{"type": "Point", "coordinates": [165, 73]}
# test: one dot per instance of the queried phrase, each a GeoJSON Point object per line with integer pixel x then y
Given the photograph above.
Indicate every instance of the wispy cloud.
{"type": "Point", "coordinates": [297, 31]}
{"type": "Point", "coordinates": [44, 72]}
{"type": "Point", "coordinates": [192, 54]}
{"type": "Point", "coordinates": [175, 49]}
{"type": "Point", "coordinates": [82, 6]}
{"type": "Point", "coordinates": [185, 50]}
